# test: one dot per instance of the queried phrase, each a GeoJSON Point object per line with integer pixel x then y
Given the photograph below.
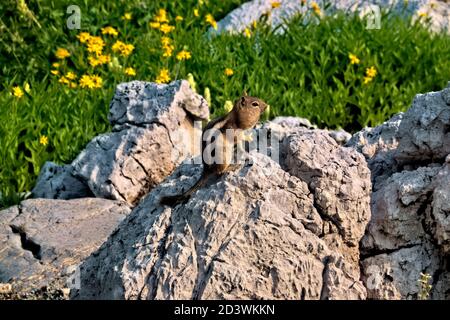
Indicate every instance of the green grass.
{"type": "Point", "coordinates": [306, 72]}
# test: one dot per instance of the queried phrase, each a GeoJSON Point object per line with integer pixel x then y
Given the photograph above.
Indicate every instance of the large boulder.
{"type": "Point", "coordinates": [154, 130]}
{"type": "Point", "coordinates": [258, 232]}
{"type": "Point", "coordinates": [409, 232]}
{"type": "Point", "coordinates": [42, 241]}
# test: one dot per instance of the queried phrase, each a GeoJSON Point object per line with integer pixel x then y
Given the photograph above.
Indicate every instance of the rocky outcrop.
{"type": "Point", "coordinates": [153, 132]}
{"type": "Point", "coordinates": [259, 232]}
{"type": "Point", "coordinates": [58, 182]}
{"type": "Point", "coordinates": [284, 126]}
{"type": "Point", "coordinates": [243, 16]}
{"type": "Point", "coordinates": [409, 232]}
{"type": "Point", "coordinates": [42, 241]}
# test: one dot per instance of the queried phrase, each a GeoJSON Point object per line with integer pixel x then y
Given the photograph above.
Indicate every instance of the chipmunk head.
{"type": "Point", "coordinates": [252, 103]}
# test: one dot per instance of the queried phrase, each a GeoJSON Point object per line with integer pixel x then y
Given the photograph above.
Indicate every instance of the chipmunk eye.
{"type": "Point", "coordinates": [255, 104]}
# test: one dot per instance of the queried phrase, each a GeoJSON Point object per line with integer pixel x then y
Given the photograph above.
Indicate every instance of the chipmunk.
{"type": "Point", "coordinates": [244, 115]}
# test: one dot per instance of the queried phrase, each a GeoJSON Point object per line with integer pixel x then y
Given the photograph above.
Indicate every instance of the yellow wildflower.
{"type": "Point", "coordinates": [161, 17]}
{"type": "Point", "coordinates": [247, 32]}
{"type": "Point", "coordinates": [126, 16]}
{"type": "Point", "coordinates": [371, 72]}
{"type": "Point", "coordinates": [196, 12]}
{"type": "Point", "coordinates": [72, 85]}
{"type": "Point", "coordinates": [178, 18]}
{"type": "Point", "coordinates": [210, 19]}
{"type": "Point", "coordinates": [71, 76]}
{"type": "Point", "coordinates": [275, 4]}
{"type": "Point", "coordinates": [422, 14]}
{"type": "Point", "coordinates": [17, 92]}
{"type": "Point", "coordinates": [62, 53]}
{"type": "Point", "coordinates": [130, 71]}
{"type": "Point", "coordinates": [315, 7]}
{"type": "Point", "coordinates": [366, 80]}
{"type": "Point", "coordinates": [124, 48]}
{"type": "Point", "coordinates": [54, 72]}
{"type": "Point", "coordinates": [166, 28]}
{"type": "Point", "coordinates": [95, 45]}
{"type": "Point", "coordinates": [97, 80]}
{"type": "Point", "coordinates": [43, 140]}
{"type": "Point", "coordinates": [254, 24]}
{"type": "Point", "coordinates": [86, 82]}
{"type": "Point", "coordinates": [163, 76]}
{"type": "Point", "coordinates": [127, 50]}
{"type": "Point", "coordinates": [155, 25]}
{"type": "Point", "coordinates": [183, 55]}
{"type": "Point", "coordinates": [55, 65]}
{"type": "Point", "coordinates": [83, 37]}
{"type": "Point", "coordinates": [63, 80]}
{"type": "Point", "coordinates": [165, 41]}
{"type": "Point", "coordinates": [110, 31]}
{"type": "Point", "coordinates": [168, 51]}
{"type": "Point", "coordinates": [167, 46]}
{"type": "Point", "coordinates": [353, 58]}
{"type": "Point", "coordinates": [228, 72]}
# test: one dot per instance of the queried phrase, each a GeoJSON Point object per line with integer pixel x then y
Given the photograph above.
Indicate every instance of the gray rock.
{"type": "Point", "coordinates": [395, 275]}
{"type": "Point", "coordinates": [438, 217]}
{"type": "Point", "coordinates": [284, 126]}
{"type": "Point", "coordinates": [378, 145]}
{"type": "Point", "coordinates": [253, 233]}
{"type": "Point", "coordinates": [243, 16]}
{"type": "Point", "coordinates": [57, 182]}
{"type": "Point", "coordinates": [42, 241]}
{"type": "Point", "coordinates": [337, 177]}
{"type": "Point", "coordinates": [424, 134]}
{"type": "Point", "coordinates": [398, 211]}
{"type": "Point", "coordinates": [340, 136]}
{"type": "Point", "coordinates": [153, 133]}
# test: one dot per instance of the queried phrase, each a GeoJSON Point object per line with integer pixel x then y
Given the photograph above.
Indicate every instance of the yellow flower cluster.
{"type": "Point", "coordinates": [247, 32]}
{"type": "Point", "coordinates": [229, 72]}
{"type": "Point", "coordinates": [370, 74]}
{"type": "Point", "coordinates": [17, 92]}
{"type": "Point", "coordinates": [91, 82]}
{"type": "Point", "coordinates": [210, 19]}
{"type": "Point", "coordinates": [43, 140]}
{"type": "Point", "coordinates": [95, 45]}
{"type": "Point", "coordinates": [110, 31]}
{"type": "Point", "coordinates": [166, 28]}
{"type": "Point", "coordinates": [62, 53]}
{"type": "Point", "coordinates": [316, 8]}
{"type": "Point", "coordinates": [99, 59]}
{"type": "Point", "coordinates": [167, 46]}
{"type": "Point", "coordinates": [127, 16]}
{"type": "Point", "coordinates": [83, 37]}
{"type": "Point", "coordinates": [183, 55]}
{"type": "Point", "coordinates": [130, 71]}
{"type": "Point", "coordinates": [123, 48]}
{"type": "Point", "coordinates": [163, 76]}
{"type": "Point", "coordinates": [353, 58]}
{"type": "Point", "coordinates": [161, 22]}
{"type": "Point", "coordinates": [68, 79]}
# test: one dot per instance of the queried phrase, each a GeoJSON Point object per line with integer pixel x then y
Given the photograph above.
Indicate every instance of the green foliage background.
{"type": "Point", "coordinates": [305, 72]}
